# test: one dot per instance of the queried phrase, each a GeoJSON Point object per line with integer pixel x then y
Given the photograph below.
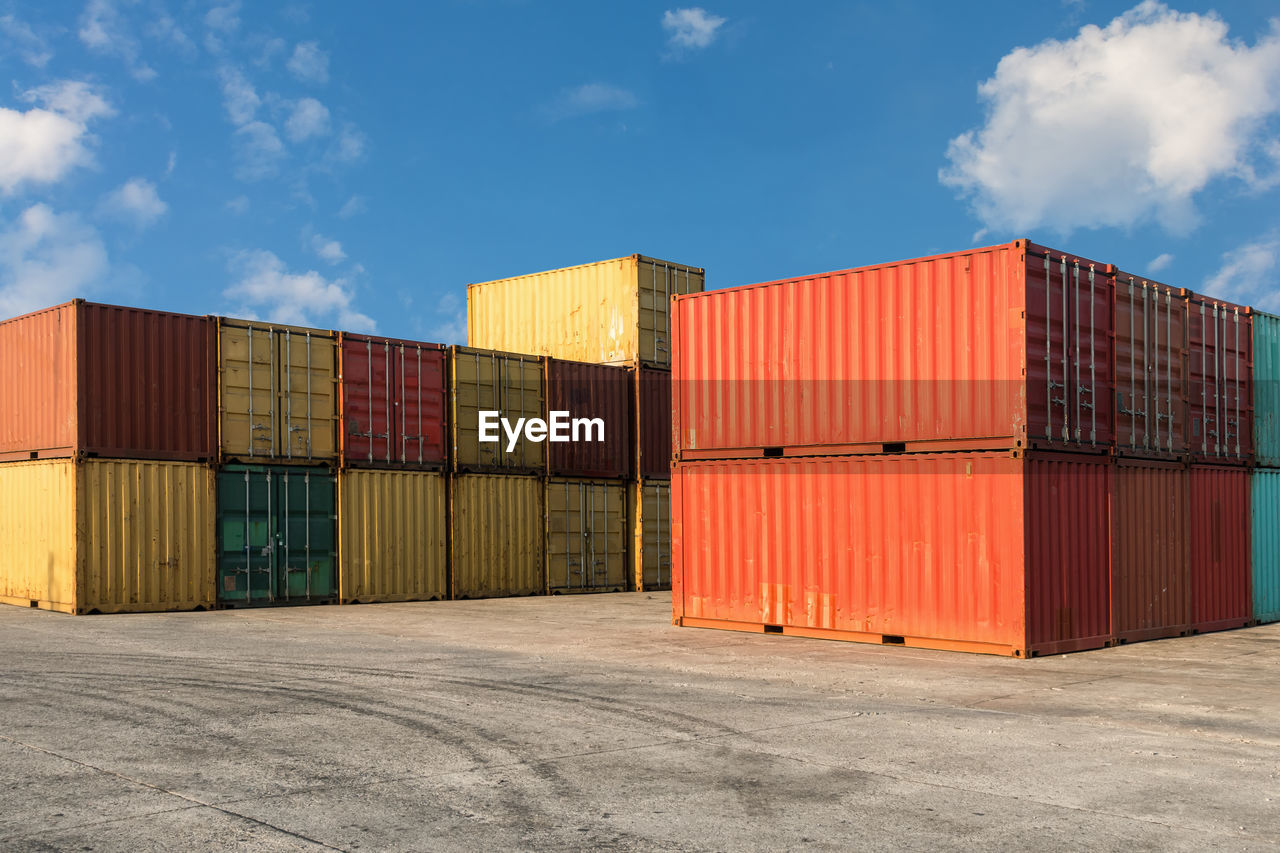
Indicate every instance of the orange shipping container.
{"type": "Point", "coordinates": [1221, 591]}
{"type": "Point", "coordinates": [984, 552]}
{"type": "Point", "coordinates": [1151, 550]}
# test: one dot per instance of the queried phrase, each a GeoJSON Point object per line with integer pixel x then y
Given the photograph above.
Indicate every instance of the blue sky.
{"type": "Point", "coordinates": [356, 165]}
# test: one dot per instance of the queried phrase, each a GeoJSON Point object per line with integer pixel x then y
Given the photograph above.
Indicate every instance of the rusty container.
{"type": "Point", "coordinates": [1002, 347]}
{"type": "Point", "coordinates": [1151, 373]}
{"type": "Point", "coordinates": [652, 420]}
{"type": "Point", "coordinates": [595, 400]}
{"type": "Point", "coordinates": [1220, 548]}
{"type": "Point", "coordinates": [393, 403]}
{"type": "Point", "coordinates": [996, 552]}
{"type": "Point", "coordinates": [1151, 550]}
{"type": "Point", "coordinates": [1220, 395]}
{"type": "Point", "coordinates": [90, 380]}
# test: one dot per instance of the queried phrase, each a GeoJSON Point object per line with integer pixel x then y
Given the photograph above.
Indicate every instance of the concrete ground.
{"type": "Point", "coordinates": [588, 721]}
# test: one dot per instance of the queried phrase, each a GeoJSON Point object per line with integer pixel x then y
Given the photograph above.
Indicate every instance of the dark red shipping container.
{"type": "Point", "coordinates": [594, 391]}
{"type": "Point", "coordinates": [1221, 593]}
{"type": "Point", "coordinates": [1150, 550]}
{"type": "Point", "coordinates": [652, 423]}
{"type": "Point", "coordinates": [85, 379]}
{"type": "Point", "coordinates": [1220, 397]}
{"type": "Point", "coordinates": [1151, 373]}
{"type": "Point", "coordinates": [393, 403]}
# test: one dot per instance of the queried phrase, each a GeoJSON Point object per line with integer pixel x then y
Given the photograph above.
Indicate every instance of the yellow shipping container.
{"type": "Point", "coordinates": [495, 539]}
{"type": "Point", "coordinates": [649, 524]}
{"type": "Point", "coordinates": [586, 535]}
{"type": "Point", "coordinates": [391, 536]}
{"type": "Point", "coordinates": [610, 312]}
{"type": "Point", "coordinates": [513, 385]}
{"type": "Point", "coordinates": [107, 536]}
{"type": "Point", "coordinates": [277, 393]}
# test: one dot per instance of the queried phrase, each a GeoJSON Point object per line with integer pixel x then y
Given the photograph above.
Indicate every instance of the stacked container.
{"type": "Point", "coordinates": [1265, 485]}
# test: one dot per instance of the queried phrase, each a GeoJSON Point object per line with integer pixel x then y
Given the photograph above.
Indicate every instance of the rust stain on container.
{"type": "Point", "coordinates": [652, 396]}
{"type": "Point", "coordinates": [1220, 396]}
{"type": "Point", "coordinates": [392, 530]}
{"type": "Point", "coordinates": [983, 552]}
{"type": "Point", "coordinates": [1151, 372]}
{"type": "Point", "coordinates": [108, 381]}
{"type": "Point", "coordinates": [1151, 550]}
{"type": "Point", "coordinates": [590, 391]}
{"type": "Point", "coordinates": [393, 402]}
{"type": "Point", "coordinates": [496, 536]}
{"type": "Point", "coordinates": [1221, 597]}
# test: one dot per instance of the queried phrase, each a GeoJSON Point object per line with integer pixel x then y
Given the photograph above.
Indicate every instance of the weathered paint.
{"type": "Point", "coordinates": [586, 523]}
{"type": "Point", "coordinates": [1150, 367]}
{"type": "Point", "coordinates": [483, 380]}
{"type": "Point", "coordinates": [1266, 389]}
{"type": "Point", "coordinates": [278, 393]}
{"type": "Point", "coordinates": [1220, 548]}
{"type": "Point", "coordinates": [590, 391]}
{"type": "Point", "coordinates": [393, 402]}
{"type": "Point", "coordinates": [392, 531]}
{"type": "Point", "coordinates": [609, 312]}
{"type": "Point", "coordinates": [649, 526]}
{"type": "Point", "coordinates": [1220, 394]}
{"type": "Point", "coordinates": [496, 536]}
{"type": "Point", "coordinates": [1265, 512]}
{"type": "Point", "coordinates": [981, 552]}
{"type": "Point", "coordinates": [1151, 550]}
{"type": "Point", "coordinates": [106, 536]}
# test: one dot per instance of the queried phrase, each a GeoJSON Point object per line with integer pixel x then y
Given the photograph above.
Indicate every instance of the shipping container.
{"type": "Point", "coordinates": [496, 536]}
{"type": "Point", "coordinates": [1151, 550]}
{"type": "Point", "coordinates": [1265, 512]}
{"type": "Point", "coordinates": [984, 552]}
{"type": "Point", "coordinates": [610, 312]}
{"type": "Point", "coordinates": [652, 422]}
{"type": "Point", "coordinates": [1150, 368]}
{"type": "Point", "coordinates": [278, 393]}
{"type": "Point", "coordinates": [393, 402]}
{"type": "Point", "coordinates": [102, 536]}
{"type": "Point", "coordinates": [586, 524]}
{"type": "Point", "coordinates": [90, 380]}
{"type": "Point", "coordinates": [649, 526]}
{"type": "Point", "coordinates": [1003, 347]}
{"type": "Point", "coordinates": [1220, 548]}
{"type": "Point", "coordinates": [589, 392]}
{"type": "Point", "coordinates": [1266, 388]}
{"type": "Point", "coordinates": [277, 541]}
{"type": "Point", "coordinates": [1220, 395]}
{"type": "Point", "coordinates": [392, 532]}
{"type": "Point", "coordinates": [506, 383]}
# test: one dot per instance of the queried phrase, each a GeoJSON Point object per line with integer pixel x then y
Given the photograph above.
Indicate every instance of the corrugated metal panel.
{"type": "Point", "coordinates": [652, 422]}
{"type": "Point", "coordinates": [277, 535]}
{"type": "Point", "coordinates": [483, 380]}
{"type": "Point", "coordinates": [1151, 550]}
{"type": "Point", "coordinates": [590, 391]}
{"type": "Point", "coordinates": [109, 537]}
{"type": "Point", "coordinates": [496, 536]}
{"type": "Point", "coordinates": [103, 380]}
{"type": "Point", "coordinates": [392, 533]}
{"type": "Point", "coordinates": [649, 525]}
{"type": "Point", "coordinates": [1150, 367]}
{"type": "Point", "coordinates": [949, 551]}
{"type": "Point", "coordinates": [1008, 346]}
{"type": "Point", "coordinates": [586, 535]}
{"type": "Point", "coordinates": [393, 402]}
{"type": "Point", "coordinates": [1220, 396]}
{"type": "Point", "coordinates": [278, 393]}
{"type": "Point", "coordinates": [1220, 548]}
{"type": "Point", "coordinates": [610, 312]}
{"type": "Point", "coordinates": [1265, 511]}
{"type": "Point", "coordinates": [1266, 388]}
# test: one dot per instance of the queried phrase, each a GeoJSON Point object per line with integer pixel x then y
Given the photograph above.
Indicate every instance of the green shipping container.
{"type": "Point", "coordinates": [1266, 389]}
{"type": "Point", "coordinates": [276, 535]}
{"type": "Point", "coordinates": [1266, 544]}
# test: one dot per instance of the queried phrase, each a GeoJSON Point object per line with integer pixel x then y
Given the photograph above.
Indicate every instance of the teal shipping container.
{"type": "Point", "coordinates": [277, 541]}
{"type": "Point", "coordinates": [1266, 544]}
{"type": "Point", "coordinates": [1266, 389]}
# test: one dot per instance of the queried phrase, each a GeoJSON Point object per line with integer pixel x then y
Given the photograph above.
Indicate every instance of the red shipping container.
{"type": "Point", "coordinates": [1151, 550]}
{"type": "Point", "coordinates": [1221, 591]}
{"type": "Point", "coordinates": [393, 402]}
{"type": "Point", "coordinates": [590, 391]}
{"type": "Point", "coordinates": [984, 552]}
{"type": "Point", "coordinates": [652, 400]}
{"type": "Point", "coordinates": [1150, 368]}
{"type": "Point", "coordinates": [1220, 396]}
{"type": "Point", "coordinates": [1002, 347]}
{"type": "Point", "coordinates": [84, 379]}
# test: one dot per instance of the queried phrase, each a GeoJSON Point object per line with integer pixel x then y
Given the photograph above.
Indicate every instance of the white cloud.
{"type": "Point", "coordinates": [224, 19]}
{"type": "Point", "coordinates": [136, 202]}
{"type": "Point", "coordinates": [165, 29]}
{"type": "Point", "coordinates": [47, 258]}
{"type": "Point", "coordinates": [1118, 125]}
{"type": "Point", "coordinates": [263, 282]}
{"type": "Point", "coordinates": [351, 144]}
{"type": "Point", "coordinates": [258, 151]}
{"type": "Point", "coordinates": [353, 207]}
{"type": "Point", "coordinates": [590, 98]}
{"type": "Point", "coordinates": [238, 205]}
{"type": "Point", "coordinates": [23, 41]}
{"type": "Point", "coordinates": [171, 164]}
{"type": "Point", "coordinates": [328, 250]}
{"type": "Point", "coordinates": [238, 95]}
{"type": "Point", "coordinates": [309, 118]}
{"type": "Point", "coordinates": [1250, 274]}
{"type": "Point", "coordinates": [450, 325]}
{"type": "Point", "coordinates": [309, 63]}
{"type": "Point", "coordinates": [690, 29]}
{"type": "Point", "coordinates": [103, 30]}
{"type": "Point", "coordinates": [42, 145]}
{"type": "Point", "coordinates": [1159, 262]}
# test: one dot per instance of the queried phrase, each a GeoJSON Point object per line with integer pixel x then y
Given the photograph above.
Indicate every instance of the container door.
{"type": "Point", "coordinates": [510, 385]}
{"type": "Point", "coordinates": [1266, 389]}
{"type": "Point", "coordinates": [246, 537]}
{"type": "Point", "coordinates": [419, 394]}
{"type": "Point", "coordinates": [1221, 400]}
{"type": "Point", "coordinates": [367, 400]}
{"type": "Point", "coordinates": [305, 539]}
{"type": "Point", "coordinates": [1150, 364]}
{"type": "Point", "coordinates": [655, 535]}
{"type": "Point", "coordinates": [306, 391]}
{"type": "Point", "coordinates": [658, 282]}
